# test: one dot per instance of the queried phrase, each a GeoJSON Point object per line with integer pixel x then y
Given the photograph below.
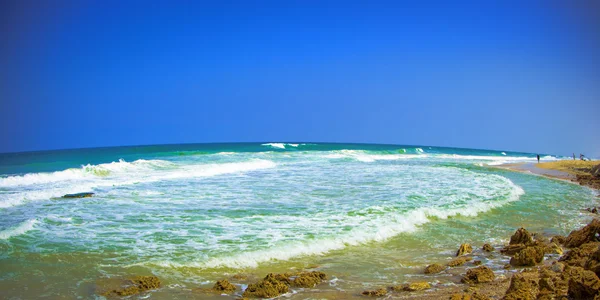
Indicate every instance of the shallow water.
{"type": "Point", "coordinates": [367, 215]}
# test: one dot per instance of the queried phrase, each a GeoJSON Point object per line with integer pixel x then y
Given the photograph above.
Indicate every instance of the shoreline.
{"type": "Point", "coordinates": [572, 171]}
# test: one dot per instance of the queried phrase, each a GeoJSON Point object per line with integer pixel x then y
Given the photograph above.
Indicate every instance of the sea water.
{"type": "Point", "coordinates": [367, 215]}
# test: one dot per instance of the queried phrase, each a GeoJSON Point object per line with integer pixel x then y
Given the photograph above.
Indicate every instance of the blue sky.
{"type": "Point", "coordinates": [516, 76]}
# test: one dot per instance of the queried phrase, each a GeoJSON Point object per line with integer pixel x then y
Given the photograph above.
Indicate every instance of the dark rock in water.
{"type": "Point", "coordinates": [585, 235]}
{"type": "Point", "coordinates": [224, 286]}
{"type": "Point", "coordinates": [375, 293]}
{"type": "Point", "coordinates": [480, 274]}
{"type": "Point", "coordinates": [135, 286]}
{"type": "Point", "coordinates": [308, 279]}
{"type": "Point", "coordinates": [79, 195]}
{"type": "Point", "coordinates": [464, 249]}
{"type": "Point", "coordinates": [269, 287]}
{"type": "Point", "coordinates": [487, 248]}
{"type": "Point", "coordinates": [276, 284]}
{"type": "Point", "coordinates": [521, 236]}
{"type": "Point", "coordinates": [434, 268]}
{"type": "Point", "coordinates": [459, 261]}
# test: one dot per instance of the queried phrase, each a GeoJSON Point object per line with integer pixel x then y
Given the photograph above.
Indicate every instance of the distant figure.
{"type": "Point", "coordinates": [573, 155]}
{"type": "Point", "coordinates": [580, 156]}
{"type": "Point", "coordinates": [538, 157]}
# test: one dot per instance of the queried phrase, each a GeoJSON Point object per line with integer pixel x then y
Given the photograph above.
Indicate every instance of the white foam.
{"type": "Point", "coordinates": [275, 145]}
{"type": "Point", "coordinates": [116, 174]}
{"type": "Point", "coordinates": [364, 156]}
{"type": "Point", "coordinates": [419, 150]}
{"type": "Point", "coordinates": [85, 172]}
{"type": "Point", "coordinates": [366, 228]}
{"type": "Point", "coordinates": [18, 230]}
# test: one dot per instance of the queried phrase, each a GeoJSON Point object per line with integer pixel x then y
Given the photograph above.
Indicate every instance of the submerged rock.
{"type": "Point", "coordinates": [464, 249]}
{"type": "Point", "coordinates": [529, 256]}
{"type": "Point", "coordinates": [375, 293]}
{"type": "Point", "coordinates": [134, 286]}
{"type": "Point", "coordinates": [459, 261]}
{"type": "Point", "coordinates": [521, 236]}
{"type": "Point", "coordinates": [487, 248]}
{"type": "Point", "coordinates": [415, 286]}
{"type": "Point", "coordinates": [585, 235]}
{"type": "Point", "coordinates": [434, 268]}
{"type": "Point", "coordinates": [224, 286]}
{"type": "Point", "coordinates": [480, 274]}
{"type": "Point", "coordinates": [78, 195]}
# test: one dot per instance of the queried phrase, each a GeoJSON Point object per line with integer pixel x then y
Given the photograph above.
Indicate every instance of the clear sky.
{"type": "Point", "coordinates": [521, 75]}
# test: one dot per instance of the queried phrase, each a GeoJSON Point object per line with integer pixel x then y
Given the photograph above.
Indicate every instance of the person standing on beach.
{"type": "Point", "coordinates": [538, 157]}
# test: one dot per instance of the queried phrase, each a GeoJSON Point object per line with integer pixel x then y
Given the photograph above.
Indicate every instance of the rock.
{"type": "Point", "coordinates": [464, 249]}
{"type": "Point", "coordinates": [585, 235]}
{"type": "Point", "coordinates": [583, 284]}
{"type": "Point", "coordinates": [529, 256]}
{"type": "Point", "coordinates": [241, 277]}
{"type": "Point", "coordinates": [416, 286]}
{"type": "Point", "coordinates": [487, 248]}
{"type": "Point", "coordinates": [271, 286]}
{"type": "Point", "coordinates": [434, 268]}
{"type": "Point", "coordinates": [308, 279]}
{"type": "Point", "coordinates": [477, 262]}
{"type": "Point", "coordinates": [480, 274]}
{"type": "Point", "coordinates": [512, 249]}
{"type": "Point", "coordinates": [593, 263]}
{"type": "Point", "coordinates": [595, 171]}
{"type": "Point", "coordinates": [224, 286]}
{"type": "Point", "coordinates": [478, 296]}
{"type": "Point", "coordinates": [459, 261]}
{"type": "Point", "coordinates": [78, 195]}
{"type": "Point", "coordinates": [558, 239]}
{"type": "Point", "coordinates": [521, 288]}
{"type": "Point", "coordinates": [521, 236]}
{"type": "Point", "coordinates": [375, 293]}
{"type": "Point", "coordinates": [557, 267]}
{"type": "Point", "coordinates": [135, 286]}
{"type": "Point", "coordinates": [553, 248]}
{"type": "Point", "coordinates": [460, 297]}
{"type": "Point", "coordinates": [580, 255]}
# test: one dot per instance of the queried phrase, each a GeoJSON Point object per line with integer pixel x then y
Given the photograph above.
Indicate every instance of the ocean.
{"type": "Point", "coordinates": [367, 215]}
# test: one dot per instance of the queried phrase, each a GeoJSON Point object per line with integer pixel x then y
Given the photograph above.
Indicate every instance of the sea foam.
{"type": "Point", "coordinates": [18, 230]}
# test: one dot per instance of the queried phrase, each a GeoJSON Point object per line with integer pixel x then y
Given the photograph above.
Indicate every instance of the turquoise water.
{"type": "Point", "coordinates": [190, 214]}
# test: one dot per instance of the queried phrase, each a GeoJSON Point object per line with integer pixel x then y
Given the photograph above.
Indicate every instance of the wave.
{"type": "Point", "coordinates": [56, 184]}
{"type": "Point", "coordinates": [85, 172]}
{"type": "Point", "coordinates": [371, 229]}
{"type": "Point", "coordinates": [18, 230]}
{"type": "Point", "coordinates": [364, 156]}
{"type": "Point", "coordinates": [283, 145]}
